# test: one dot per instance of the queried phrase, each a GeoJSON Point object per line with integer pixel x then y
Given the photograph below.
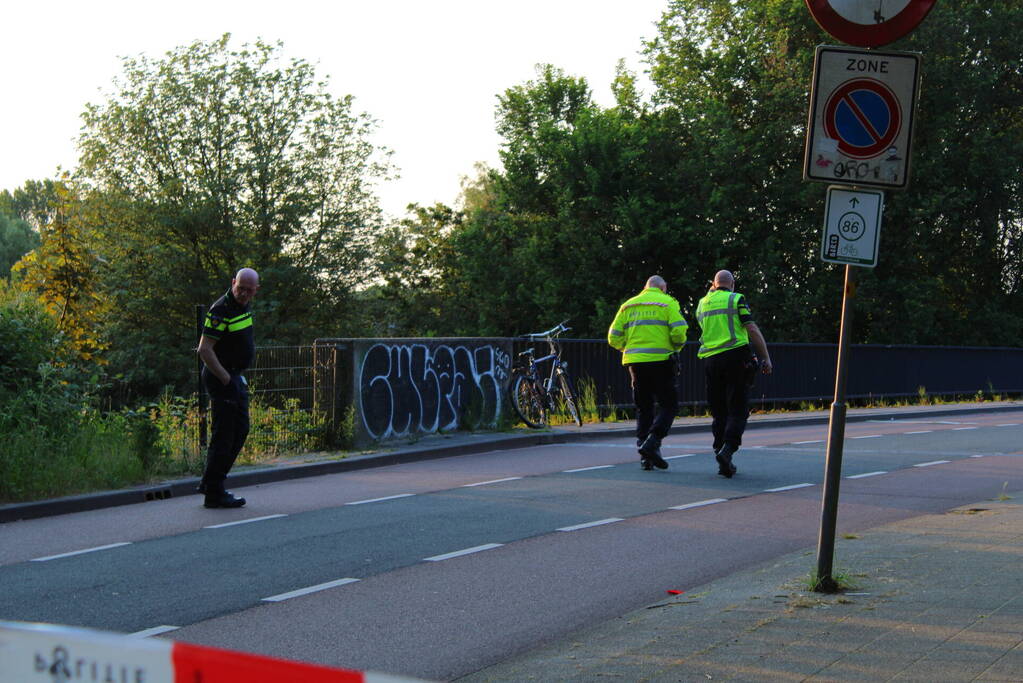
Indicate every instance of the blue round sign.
{"type": "Point", "coordinates": [863, 115]}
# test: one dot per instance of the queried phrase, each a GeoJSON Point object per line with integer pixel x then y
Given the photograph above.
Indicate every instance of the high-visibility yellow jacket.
{"type": "Point", "coordinates": [648, 327]}
{"type": "Point", "coordinates": [721, 316]}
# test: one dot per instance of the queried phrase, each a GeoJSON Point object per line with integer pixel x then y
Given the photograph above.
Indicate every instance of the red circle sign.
{"type": "Point", "coordinates": [864, 116]}
{"type": "Point", "coordinates": [866, 23]}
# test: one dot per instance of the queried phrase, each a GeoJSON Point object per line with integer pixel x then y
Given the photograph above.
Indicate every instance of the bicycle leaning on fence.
{"type": "Point", "coordinates": [536, 397]}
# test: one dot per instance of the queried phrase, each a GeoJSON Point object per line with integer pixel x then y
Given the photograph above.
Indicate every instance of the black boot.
{"type": "Point", "coordinates": [224, 499]}
{"type": "Point", "coordinates": [724, 457]}
{"type": "Point", "coordinates": [651, 451]}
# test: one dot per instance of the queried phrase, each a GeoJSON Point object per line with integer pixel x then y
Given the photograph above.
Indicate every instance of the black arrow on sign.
{"type": "Point", "coordinates": [854, 202]}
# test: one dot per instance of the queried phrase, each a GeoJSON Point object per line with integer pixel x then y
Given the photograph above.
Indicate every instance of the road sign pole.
{"type": "Point", "coordinates": [836, 439]}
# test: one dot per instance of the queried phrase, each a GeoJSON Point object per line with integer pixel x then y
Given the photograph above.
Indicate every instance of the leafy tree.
{"type": "Point", "coordinates": [64, 272]}
{"type": "Point", "coordinates": [738, 74]}
{"type": "Point", "coordinates": [17, 238]}
{"type": "Point", "coordinates": [209, 159]}
{"type": "Point", "coordinates": [31, 203]}
{"type": "Point", "coordinates": [416, 264]}
{"type": "Point", "coordinates": [589, 204]}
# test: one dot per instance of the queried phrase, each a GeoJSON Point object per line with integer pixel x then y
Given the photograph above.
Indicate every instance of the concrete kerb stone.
{"type": "Point", "coordinates": [452, 445]}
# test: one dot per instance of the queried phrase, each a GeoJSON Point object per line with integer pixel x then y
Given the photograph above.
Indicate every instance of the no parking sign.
{"type": "Point", "coordinates": [861, 117]}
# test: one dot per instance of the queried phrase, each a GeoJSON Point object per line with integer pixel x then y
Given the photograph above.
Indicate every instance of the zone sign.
{"type": "Point", "coordinates": [861, 117]}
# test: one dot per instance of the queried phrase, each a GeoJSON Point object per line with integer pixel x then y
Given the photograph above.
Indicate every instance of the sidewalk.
{"type": "Point", "coordinates": [936, 598]}
{"type": "Point", "coordinates": [452, 444]}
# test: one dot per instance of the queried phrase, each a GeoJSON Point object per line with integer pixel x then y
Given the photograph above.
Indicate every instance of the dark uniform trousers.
{"type": "Point", "coordinates": [654, 381]}
{"type": "Point", "coordinates": [230, 425]}
{"type": "Point", "coordinates": [728, 394]}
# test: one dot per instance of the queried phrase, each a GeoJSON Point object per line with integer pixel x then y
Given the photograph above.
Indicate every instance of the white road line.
{"type": "Point", "coordinates": [757, 446]}
{"type": "Point", "coordinates": [378, 500]}
{"type": "Point", "coordinates": [492, 481]}
{"type": "Point", "coordinates": [1010, 424]}
{"type": "Point", "coordinates": [800, 443]}
{"type": "Point", "coordinates": [926, 431]}
{"type": "Point", "coordinates": [460, 553]}
{"type": "Point", "coordinates": [587, 469]}
{"type": "Point", "coordinates": [866, 436]}
{"type": "Point", "coordinates": [961, 429]}
{"type": "Point", "coordinates": [684, 455]}
{"type": "Point", "coordinates": [310, 589]}
{"type": "Point", "coordinates": [788, 488]}
{"type": "Point", "coordinates": [155, 631]}
{"type": "Point", "coordinates": [866, 474]}
{"type": "Point", "coordinates": [933, 462]}
{"type": "Point", "coordinates": [698, 504]}
{"type": "Point", "coordinates": [978, 455]}
{"type": "Point", "coordinates": [79, 552]}
{"type": "Point", "coordinates": [587, 525]}
{"type": "Point", "coordinates": [242, 521]}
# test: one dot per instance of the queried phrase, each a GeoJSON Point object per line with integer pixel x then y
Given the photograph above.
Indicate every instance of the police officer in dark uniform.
{"type": "Point", "coordinates": [227, 348]}
{"type": "Point", "coordinates": [727, 333]}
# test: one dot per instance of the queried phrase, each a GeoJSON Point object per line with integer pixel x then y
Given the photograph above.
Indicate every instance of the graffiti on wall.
{"type": "Point", "coordinates": [407, 389]}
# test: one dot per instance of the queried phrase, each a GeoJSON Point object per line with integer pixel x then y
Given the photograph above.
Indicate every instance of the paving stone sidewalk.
{"type": "Point", "coordinates": [936, 598]}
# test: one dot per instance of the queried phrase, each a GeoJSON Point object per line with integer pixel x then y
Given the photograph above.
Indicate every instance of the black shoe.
{"type": "Point", "coordinates": [201, 488]}
{"type": "Point", "coordinates": [651, 450]}
{"type": "Point", "coordinates": [724, 457]}
{"type": "Point", "coordinates": [646, 464]}
{"type": "Point", "coordinates": [223, 500]}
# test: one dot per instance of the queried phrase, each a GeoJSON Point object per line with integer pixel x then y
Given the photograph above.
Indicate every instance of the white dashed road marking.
{"type": "Point", "coordinates": [587, 469]}
{"type": "Point", "coordinates": [698, 504]}
{"type": "Point", "coordinates": [79, 552]}
{"type": "Point", "coordinates": [242, 521]}
{"type": "Point", "coordinates": [587, 525]}
{"type": "Point", "coordinates": [865, 474]}
{"type": "Point", "coordinates": [492, 481]}
{"type": "Point", "coordinates": [788, 488]}
{"type": "Point", "coordinates": [378, 500]}
{"type": "Point", "coordinates": [155, 631]}
{"type": "Point", "coordinates": [933, 462]}
{"type": "Point", "coordinates": [310, 589]}
{"type": "Point", "coordinates": [460, 553]}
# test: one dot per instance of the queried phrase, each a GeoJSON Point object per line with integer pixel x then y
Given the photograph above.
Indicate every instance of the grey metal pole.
{"type": "Point", "coordinates": [200, 318]}
{"type": "Point", "coordinates": [836, 438]}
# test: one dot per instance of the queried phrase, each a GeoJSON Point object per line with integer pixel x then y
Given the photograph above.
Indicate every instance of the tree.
{"type": "Point", "coordinates": [739, 75]}
{"type": "Point", "coordinates": [64, 272]}
{"type": "Point", "coordinates": [210, 159]}
{"type": "Point", "coordinates": [17, 238]}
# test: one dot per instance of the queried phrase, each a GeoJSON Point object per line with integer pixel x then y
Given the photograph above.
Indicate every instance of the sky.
{"type": "Point", "coordinates": [428, 72]}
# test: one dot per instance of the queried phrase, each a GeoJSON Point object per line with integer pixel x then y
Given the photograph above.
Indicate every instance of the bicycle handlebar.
{"type": "Point", "coordinates": [553, 332]}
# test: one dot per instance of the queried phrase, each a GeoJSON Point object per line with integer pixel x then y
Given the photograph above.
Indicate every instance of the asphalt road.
{"type": "Point", "coordinates": [439, 568]}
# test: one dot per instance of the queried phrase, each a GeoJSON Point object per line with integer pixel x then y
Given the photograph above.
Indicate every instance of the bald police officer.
{"type": "Point", "coordinates": [227, 348]}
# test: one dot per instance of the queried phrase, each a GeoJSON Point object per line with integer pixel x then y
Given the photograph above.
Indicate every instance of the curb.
{"type": "Point", "coordinates": [265, 475]}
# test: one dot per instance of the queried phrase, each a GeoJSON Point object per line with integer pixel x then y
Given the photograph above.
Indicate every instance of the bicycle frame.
{"type": "Point", "coordinates": [550, 390]}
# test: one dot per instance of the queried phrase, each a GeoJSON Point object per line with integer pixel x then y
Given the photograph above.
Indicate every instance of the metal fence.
{"type": "Point", "coordinates": [306, 393]}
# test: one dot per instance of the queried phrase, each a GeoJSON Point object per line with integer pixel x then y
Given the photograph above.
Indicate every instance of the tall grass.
{"type": "Point", "coordinates": [89, 454]}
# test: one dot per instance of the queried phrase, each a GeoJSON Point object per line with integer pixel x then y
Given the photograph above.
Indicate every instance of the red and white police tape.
{"type": "Point", "coordinates": [44, 652]}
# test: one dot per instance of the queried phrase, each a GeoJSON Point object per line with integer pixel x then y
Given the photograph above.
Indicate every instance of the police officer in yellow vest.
{"type": "Point", "coordinates": [727, 332]}
{"type": "Point", "coordinates": [648, 329]}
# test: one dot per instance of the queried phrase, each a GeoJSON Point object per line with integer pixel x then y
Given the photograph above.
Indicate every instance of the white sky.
{"type": "Point", "coordinates": [429, 72]}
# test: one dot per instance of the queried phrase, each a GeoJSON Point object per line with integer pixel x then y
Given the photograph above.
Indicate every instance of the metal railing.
{"type": "Point", "coordinates": [303, 394]}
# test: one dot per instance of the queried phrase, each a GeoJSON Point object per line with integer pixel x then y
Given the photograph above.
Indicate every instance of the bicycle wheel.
{"type": "Point", "coordinates": [568, 399]}
{"type": "Point", "coordinates": [527, 402]}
